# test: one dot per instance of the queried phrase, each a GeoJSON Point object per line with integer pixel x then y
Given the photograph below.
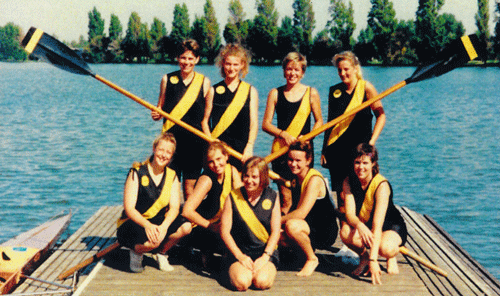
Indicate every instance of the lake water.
{"type": "Point", "coordinates": [67, 141]}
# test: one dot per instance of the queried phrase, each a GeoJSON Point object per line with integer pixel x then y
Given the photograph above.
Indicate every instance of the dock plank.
{"type": "Point", "coordinates": [426, 239]}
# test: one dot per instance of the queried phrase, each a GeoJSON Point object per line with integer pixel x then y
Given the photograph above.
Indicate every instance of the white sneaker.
{"type": "Point", "coordinates": [136, 262]}
{"type": "Point", "coordinates": [163, 263]}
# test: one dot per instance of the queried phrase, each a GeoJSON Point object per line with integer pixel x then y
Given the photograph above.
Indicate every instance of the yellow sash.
{"type": "Point", "coordinates": [310, 173]}
{"type": "Point", "coordinates": [357, 99]}
{"type": "Point", "coordinates": [297, 122]}
{"type": "Point", "coordinates": [248, 216]}
{"type": "Point", "coordinates": [232, 110]}
{"type": "Point", "coordinates": [369, 201]}
{"type": "Point", "coordinates": [162, 201]}
{"type": "Point", "coordinates": [227, 186]}
{"type": "Point", "coordinates": [186, 101]}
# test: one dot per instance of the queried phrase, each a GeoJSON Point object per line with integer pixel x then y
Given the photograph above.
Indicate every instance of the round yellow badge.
{"type": "Point", "coordinates": [145, 181]}
{"type": "Point", "coordinates": [174, 79]}
{"type": "Point", "coordinates": [337, 93]}
{"type": "Point", "coordinates": [220, 89]}
{"type": "Point", "coordinates": [266, 204]}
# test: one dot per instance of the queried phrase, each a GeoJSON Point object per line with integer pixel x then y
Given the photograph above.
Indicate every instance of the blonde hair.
{"type": "Point", "coordinates": [214, 146]}
{"type": "Point", "coordinates": [261, 165]}
{"type": "Point", "coordinates": [295, 57]}
{"type": "Point", "coordinates": [352, 58]}
{"type": "Point", "coordinates": [236, 50]}
{"type": "Point", "coordinates": [168, 137]}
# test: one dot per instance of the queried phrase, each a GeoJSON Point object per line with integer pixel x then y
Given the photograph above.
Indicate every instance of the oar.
{"type": "Point", "coordinates": [88, 261]}
{"type": "Point", "coordinates": [51, 50]}
{"type": "Point", "coordinates": [403, 250]}
{"type": "Point", "coordinates": [462, 50]}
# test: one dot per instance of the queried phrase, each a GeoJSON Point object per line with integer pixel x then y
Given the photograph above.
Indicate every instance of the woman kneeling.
{"type": "Point", "coordinates": [250, 228]}
{"type": "Point", "coordinates": [374, 226]}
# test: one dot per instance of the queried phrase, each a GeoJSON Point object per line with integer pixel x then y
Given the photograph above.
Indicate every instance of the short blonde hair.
{"type": "Point", "coordinates": [236, 50]}
{"type": "Point", "coordinates": [348, 56]}
{"type": "Point", "coordinates": [295, 57]}
{"type": "Point", "coordinates": [262, 167]}
{"type": "Point", "coordinates": [168, 137]}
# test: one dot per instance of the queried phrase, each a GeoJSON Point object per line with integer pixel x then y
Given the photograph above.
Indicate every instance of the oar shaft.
{"type": "Point", "coordinates": [315, 132]}
{"type": "Point", "coordinates": [180, 123]}
{"type": "Point", "coordinates": [88, 261]}
{"type": "Point", "coordinates": [403, 250]}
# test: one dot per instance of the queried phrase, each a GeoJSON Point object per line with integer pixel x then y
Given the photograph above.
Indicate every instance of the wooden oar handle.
{"type": "Point", "coordinates": [315, 132]}
{"type": "Point", "coordinates": [403, 250]}
{"type": "Point", "coordinates": [180, 123]}
{"type": "Point", "coordinates": [88, 261]}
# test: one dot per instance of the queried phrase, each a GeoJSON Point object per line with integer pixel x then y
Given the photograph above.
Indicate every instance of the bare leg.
{"type": "Point", "coordinates": [364, 262]}
{"type": "Point", "coordinates": [240, 276]}
{"type": "Point", "coordinates": [263, 279]}
{"type": "Point", "coordinates": [389, 248]}
{"type": "Point", "coordinates": [175, 237]}
{"type": "Point", "coordinates": [298, 230]}
{"type": "Point", "coordinates": [392, 266]}
{"type": "Point", "coordinates": [285, 199]}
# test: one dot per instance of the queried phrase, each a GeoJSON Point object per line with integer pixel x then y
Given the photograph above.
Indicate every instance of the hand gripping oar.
{"type": "Point", "coordinates": [462, 50]}
{"type": "Point", "coordinates": [403, 250]}
{"type": "Point", "coordinates": [51, 50]}
{"type": "Point", "coordinates": [88, 261]}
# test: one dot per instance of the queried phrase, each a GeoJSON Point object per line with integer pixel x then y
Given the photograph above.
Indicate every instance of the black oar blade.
{"type": "Point", "coordinates": [51, 50]}
{"type": "Point", "coordinates": [459, 52]}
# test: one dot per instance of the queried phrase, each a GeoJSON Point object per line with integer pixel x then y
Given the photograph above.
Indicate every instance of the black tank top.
{"type": "Point", "coordinates": [285, 112]}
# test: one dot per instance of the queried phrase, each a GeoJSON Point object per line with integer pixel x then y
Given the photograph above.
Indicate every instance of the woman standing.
{"type": "Point", "coordinates": [184, 94]}
{"type": "Point", "coordinates": [374, 226]}
{"type": "Point", "coordinates": [342, 139]}
{"type": "Point", "coordinates": [151, 202]}
{"type": "Point", "coordinates": [250, 228]}
{"type": "Point", "coordinates": [204, 207]}
{"type": "Point", "coordinates": [293, 104]}
{"type": "Point", "coordinates": [232, 114]}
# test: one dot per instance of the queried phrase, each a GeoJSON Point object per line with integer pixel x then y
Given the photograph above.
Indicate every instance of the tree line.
{"type": "Point", "coordinates": [386, 40]}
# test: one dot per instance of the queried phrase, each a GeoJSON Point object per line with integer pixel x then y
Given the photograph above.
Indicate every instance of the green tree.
{"type": "Point", "coordinates": [263, 32]}
{"type": "Point", "coordinates": [10, 48]}
{"type": "Point", "coordinates": [496, 37]}
{"type": "Point", "coordinates": [404, 37]}
{"type": "Point", "coordinates": [157, 34]}
{"type": "Point", "coordinates": [180, 27]}
{"type": "Point", "coordinates": [199, 32]}
{"type": "Point", "coordinates": [323, 48]}
{"type": "Point", "coordinates": [286, 37]}
{"type": "Point", "coordinates": [213, 31]}
{"type": "Point", "coordinates": [365, 48]}
{"type": "Point", "coordinates": [236, 29]}
{"type": "Point", "coordinates": [341, 26]}
{"type": "Point", "coordinates": [482, 18]}
{"type": "Point", "coordinates": [303, 22]}
{"type": "Point", "coordinates": [449, 29]}
{"type": "Point", "coordinates": [426, 29]}
{"type": "Point", "coordinates": [382, 21]}
{"type": "Point", "coordinates": [135, 45]}
{"type": "Point", "coordinates": [114, 53]}
{"type": "Point", "coordinates": [97, 41]}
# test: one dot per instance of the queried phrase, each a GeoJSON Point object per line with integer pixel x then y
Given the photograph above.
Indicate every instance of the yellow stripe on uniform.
{"type": "Point", "coordinates": [232, 110]}
{"type": "Point", "coordinates": [469, 47]}
{"type": "Point", "coordinates": [34, 41]}
{"type": "Point", "coordinates": [249, 217]}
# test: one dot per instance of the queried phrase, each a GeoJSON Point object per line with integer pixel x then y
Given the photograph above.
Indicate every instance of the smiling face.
{"type": "Point", "coordinates": [363, 168]}
{"type": "Point", "coordinates": [163, 152]}
{"type": "Point", "coordinates": [347, 72]}
{"type": "Point", "coordinates": [251, 180]}
{"type": "Point", "coordinates": [187, 60]}
{"type": "Point", "coordinates": [293, 72]}
{"type": "Point", "coordinates": [298, 162]}
{"type": "Point", "coordinates": [216, 161]}
{"type": "Point", "coordinates": [232, 66]}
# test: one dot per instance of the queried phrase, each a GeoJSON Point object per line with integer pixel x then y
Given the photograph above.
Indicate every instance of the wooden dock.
{"type": "Point", "coordinates": [112, 277]}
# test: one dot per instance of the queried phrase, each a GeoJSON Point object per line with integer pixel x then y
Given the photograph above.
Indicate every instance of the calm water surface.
{"type": "Point", "coordinates": [67, 141]}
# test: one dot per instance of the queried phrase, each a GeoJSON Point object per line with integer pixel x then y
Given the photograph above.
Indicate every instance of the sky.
{"type": "Point", "coordinates": [68, 19]}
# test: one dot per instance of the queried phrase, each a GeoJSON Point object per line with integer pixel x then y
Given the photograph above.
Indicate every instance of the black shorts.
{"type": "Point", "coordinates": [130, 234]}
{"type": "Point", "coordinates": [189, 155]}
{"type": "Point", "coordinates": [399, 228]}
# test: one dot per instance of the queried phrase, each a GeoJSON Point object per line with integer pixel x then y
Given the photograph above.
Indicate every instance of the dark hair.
{"type": "Point", "coordinates": [261, 165]}
{"type": "Point", "coordinates": [188, 45]}
{"type": "Point", "coordinates": [306, 147]}
{"type": "Point", "coordinates": [370, 151]}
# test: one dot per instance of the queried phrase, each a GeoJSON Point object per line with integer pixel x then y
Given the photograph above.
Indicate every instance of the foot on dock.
{"type": "Point", "coordinates": [309, 267]}
{"type": "Point", "coordinates": [163, 263]}
{"type": "Point", "coordinates": [136, 262]}
{"type": "Point", "coordinates": [392, 266]}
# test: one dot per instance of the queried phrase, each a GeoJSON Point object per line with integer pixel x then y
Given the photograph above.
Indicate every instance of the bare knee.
{"type": "Point", "coordinates": [241, 281]}
{"type": "Point", "coordinates": [389, 245]}
{"type": "Point", "coordinates": [185, 229]}
{"type": "Point", "coordinates": [262, 282]}
{"type": "Point", "coordinates": [294, 227]}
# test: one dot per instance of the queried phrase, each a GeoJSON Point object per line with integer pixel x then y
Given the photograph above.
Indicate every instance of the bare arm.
{"type": "Point", "coordinates": [130, 200]}
{"type": "Point", "coordinates": [379, 112]}
{"type": "Point", "coordinates": [254, 124]}
{"type": "Point", "coordinates": [209, 100]}
{"type": "Point", "coordinates": [174, 204]}
{"type": "Point", "coordinates": [267, 121]}
{"type": "Point", "coordinates": [352, 219]}
{"type": "Point", "coordinates": [316, 108]}
{"type": "Point", "coordinates": [161, 97]}
{"type": "Point", "coordinates": [237, 183]}
{"type": "Point", "coordinates": [272, 242]}
{"type": "Point", "coordinates": [314, 189]}
{"type": "Point", "coordinates": [201, 189]}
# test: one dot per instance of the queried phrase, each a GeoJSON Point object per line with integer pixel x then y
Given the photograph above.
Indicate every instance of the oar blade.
{"type": "Point", "coordinates": [459, 52]}
{"type": "Point", "coordinates": [51, 50]}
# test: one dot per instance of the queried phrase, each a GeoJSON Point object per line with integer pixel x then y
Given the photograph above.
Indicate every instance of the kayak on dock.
{"type": "Point", "coordinates": [23, 253]}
